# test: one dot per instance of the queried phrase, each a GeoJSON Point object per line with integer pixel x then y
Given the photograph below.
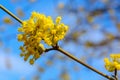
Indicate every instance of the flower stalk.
{"type": "Point", "coordinates": [115, 74]}
{"type": "Point", "coordinates": [57, 48]}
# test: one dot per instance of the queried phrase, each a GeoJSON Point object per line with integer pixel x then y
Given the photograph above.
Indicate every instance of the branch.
{"type": "Point", "coordinates": [77, 60]}
{"type": "Point", "coordinates": [11, 14]}
{"type": "Point", "coordinates": [49, 49]}
{"type": "Point", "coordinates": [115, 75]}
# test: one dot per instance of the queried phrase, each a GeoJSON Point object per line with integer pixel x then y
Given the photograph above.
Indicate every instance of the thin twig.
{"type": "Point", "coordinates": [115, 73]}
{"type": "Point", "coordinates": [49, 49]}
{"type": "Point", "coordinates": [74, 58]}
{"type": "Point", "coordinates": [11, 14]}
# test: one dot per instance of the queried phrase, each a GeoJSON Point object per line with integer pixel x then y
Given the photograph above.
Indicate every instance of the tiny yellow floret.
{"type": "Point", "coordinates": [31, 61]}
{"type": "Point", "coordinates": [58, 19]}
{"type": "Point", "coordinates": [20, 37]}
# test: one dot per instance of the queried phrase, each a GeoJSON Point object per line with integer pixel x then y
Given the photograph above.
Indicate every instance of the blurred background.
{"type": "Point", "coordinates": [94, 33]}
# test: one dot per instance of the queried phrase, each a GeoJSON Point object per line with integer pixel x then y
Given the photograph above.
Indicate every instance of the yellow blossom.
{"type": "Point", "coordinates": [31, 61]}
{"type": "Point", "coordinates": [118, 67]}
{"type": "Point", "coordinates": [22, 49]}
{"type": "Point", "coordinates": [40, 28]}
{"type": "Point", "coordinates": [112, 63]}
{"type": "Point", "coordinates": [22, 54]}
{"type": "Point", "coordinates": [20, 37]}
{"type": "Point", "coordinates": [58, 19]}
{"type": "Point", "coordinates": [20, 29]}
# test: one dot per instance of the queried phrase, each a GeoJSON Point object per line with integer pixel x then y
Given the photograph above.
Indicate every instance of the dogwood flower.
{"type": "Point", "coordinates": [112, 63]}
{"type": "Point", "coordinates": [36, 29]}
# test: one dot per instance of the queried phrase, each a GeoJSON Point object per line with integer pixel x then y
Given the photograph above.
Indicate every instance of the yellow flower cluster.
{"type": "Point", "coordinates": [39, 28]}
{"type": "Point", "coordinates": [113, 63]}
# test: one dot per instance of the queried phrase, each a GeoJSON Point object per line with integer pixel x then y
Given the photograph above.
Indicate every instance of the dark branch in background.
{"type": "Point", "coordinates": [92, 13]}
{"type": "Point", "coordinates": [74, 36]}
{"type": "Point", "coordinates": [68, 8]}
